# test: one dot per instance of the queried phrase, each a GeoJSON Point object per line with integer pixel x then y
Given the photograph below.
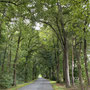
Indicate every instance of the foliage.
{"type": "Point", "coordinates": [5, 80]}
{"type": "Point", "coordinates": [26, 52]}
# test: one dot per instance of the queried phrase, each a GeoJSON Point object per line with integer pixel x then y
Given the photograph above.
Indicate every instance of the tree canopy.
{"type": "Point", "coordinates": [47, 37]}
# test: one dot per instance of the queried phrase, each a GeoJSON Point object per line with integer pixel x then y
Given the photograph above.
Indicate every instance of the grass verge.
{"type": "Point", "coordinates": [20, 86]}
{"type": "Point", "coordinates": [57, 86]}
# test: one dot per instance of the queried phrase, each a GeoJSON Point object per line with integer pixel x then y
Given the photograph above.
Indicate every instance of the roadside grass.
{"type": "Point", "coordinates": [57, 86]}
{"type": "Point", "coordinates": [19, 86]}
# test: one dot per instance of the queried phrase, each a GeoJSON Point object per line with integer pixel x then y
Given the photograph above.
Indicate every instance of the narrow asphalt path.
{"type": "Point", "coordinates": [40, 84]}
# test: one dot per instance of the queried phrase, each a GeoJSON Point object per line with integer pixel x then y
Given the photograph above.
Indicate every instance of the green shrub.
{"type": "Point", "coordinates": [5, 80]}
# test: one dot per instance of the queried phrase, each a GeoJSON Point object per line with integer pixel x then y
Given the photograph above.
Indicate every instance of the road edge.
{"type": "Point", "coordinates": [21, 85]}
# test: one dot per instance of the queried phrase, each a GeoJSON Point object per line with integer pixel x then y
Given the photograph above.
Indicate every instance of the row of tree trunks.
{"type": "Point", "coordinates": [62, 36]}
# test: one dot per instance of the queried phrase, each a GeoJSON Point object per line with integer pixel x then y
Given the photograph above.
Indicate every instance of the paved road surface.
{"type": "Point", "coordinates": [40, 84]}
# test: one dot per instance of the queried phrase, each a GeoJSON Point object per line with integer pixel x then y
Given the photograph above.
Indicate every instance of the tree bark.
{"type": "Point", "coordinates": [65, 48]}
{"type": "Point", "coordinates": [33, 72]}
{"type": "Point", "coordinates": [9, 58]}
{"type": "Point", "coordinates": [72, 63]}
{"type": "Point", "coordinates": [67, 77]}
{"type": "Point", "coordinates": [0, 31]}
{"type": "Point", "coordinates": [4, 59]}
{"type": "Point", "coordinates": [63, 69]}
{"type": "Point", "coordinates": [79, 67]}
{"type": "Point", "coordinates": [50, 73]}
{"type": "Point", "coordinates": [58, 69]}
{"type": "Point", "coordinates": [15, 60]}
{"type": "Point", "coordinates": [58, 63]}
{"type": "Point", "coordinates": [26, 72]}
{"type": "Point", "coordinates": [53, 73]}
{"type": "Point", "coordinates": [85, 60]}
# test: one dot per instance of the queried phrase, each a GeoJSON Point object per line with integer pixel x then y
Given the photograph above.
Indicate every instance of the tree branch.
{"type": "Point", "coordinates": [10, 2]}
{"type": "Point", "coordinates": [2, 1]}
{"type": "Point", "coordinates": [62, 41]}
{"type": "Point", "coordinates": [51, 27]}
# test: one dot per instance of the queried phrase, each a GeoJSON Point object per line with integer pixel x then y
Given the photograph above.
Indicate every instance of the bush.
{"type": "Point", "coordinates": [5, 80]}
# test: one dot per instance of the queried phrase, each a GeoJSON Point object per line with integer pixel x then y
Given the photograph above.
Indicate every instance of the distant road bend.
{"type": "Point", "coordinates": [40, 84]}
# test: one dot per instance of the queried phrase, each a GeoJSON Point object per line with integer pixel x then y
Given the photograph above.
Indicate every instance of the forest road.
{"type": "Point", "coordinates": [39, 84]}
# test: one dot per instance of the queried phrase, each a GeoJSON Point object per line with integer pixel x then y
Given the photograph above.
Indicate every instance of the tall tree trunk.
{"type": "Point", "coordinates": [26, 72]}
{"type": "Point", "coordinates": [56, 58]}
{"type": "Point", "coordinates": [65, 48]}
{"type": "Point", "coordinates": [50, 73]}
{"type": "Point", "coordinates": [0, 31]}
{"type": "Point", "coordinates": [58, 69]}
{"type": "Point", "coordinates": [15, 60]}
{"type": "Point", "coordinates": [4, 59]}
{"type": "Point", "coordinates": [9, 58]}
{"type": "Point", "coordinates": [33, 72]}
{"type": "Point", "coordinates": [10, 54]}
{"type": "Point", "coordinates": [85, 60]}
{"type": "Point", "coordinates": [79, 68]}
{"type": "Point", "coordinates": [67, 77]}
{"type": "Point", "coordinates": [33, 69]}
{"type": "Point", "coordinates": [63, 69]}
{"type": "Point", "coordinates": [53, 72]}
{"type": "Point", "coordinates": [72, 63]}
{"type": "Point", "coordinates": [58, 63]}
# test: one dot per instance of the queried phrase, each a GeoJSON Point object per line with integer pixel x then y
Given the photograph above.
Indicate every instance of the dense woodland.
{"type": "Point", "coordinates": [47, 37]}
